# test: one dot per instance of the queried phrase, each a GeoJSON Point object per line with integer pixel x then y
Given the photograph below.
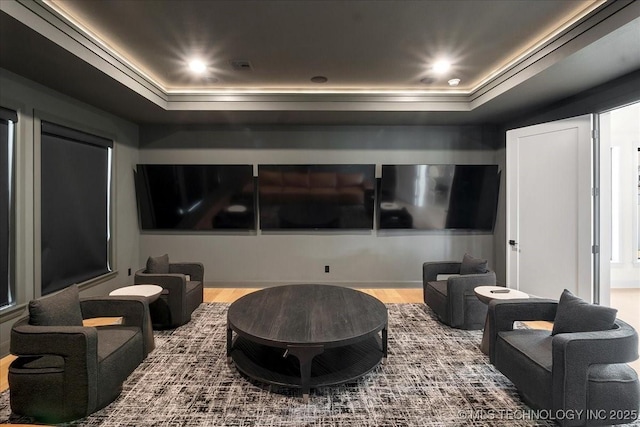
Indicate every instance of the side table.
{"type": "Point", "coordinates": [150, 292]}
{"type": "Point", "coordinates": [488, 293]}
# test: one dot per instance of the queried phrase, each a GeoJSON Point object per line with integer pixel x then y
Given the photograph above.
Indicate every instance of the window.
{"type": "Point", "coordinates": [75, 205]}
{"type": "Point", "coordinates": [8, 118]}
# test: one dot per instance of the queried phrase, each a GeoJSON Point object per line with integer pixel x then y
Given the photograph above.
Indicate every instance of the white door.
{"type": "Point", "coordinates": [549, 208]}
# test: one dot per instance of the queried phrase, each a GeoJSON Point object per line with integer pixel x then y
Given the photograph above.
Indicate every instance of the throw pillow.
{"type": "Point", "coordinates": [576, 315]}
{"type": "Point", "coordinates": [61, 309]}
{"type": "Point", "coordinates": [158, 265]}
{"type": "Point", "coordinates": [471, 265]}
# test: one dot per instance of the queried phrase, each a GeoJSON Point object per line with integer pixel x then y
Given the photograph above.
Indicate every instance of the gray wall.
{"type": "Point", "coordinates": [34, 102]}
{"type": "Point", "coordinates": [371, 258]}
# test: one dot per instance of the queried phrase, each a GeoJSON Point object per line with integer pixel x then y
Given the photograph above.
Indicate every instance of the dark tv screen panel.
{"type": "Point", "coordinates": [438, 197]}
{"type": "Point", "coordinates": [195, 197]}
{"type": "Point", "coordinates": [316, 197]}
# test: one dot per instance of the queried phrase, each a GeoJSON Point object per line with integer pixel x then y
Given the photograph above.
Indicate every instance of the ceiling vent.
{"type": "Point", "coordinates": [241, 65]}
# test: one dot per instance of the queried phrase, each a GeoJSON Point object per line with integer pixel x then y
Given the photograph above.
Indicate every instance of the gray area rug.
{"type": "Point", "coordinates": [435, 376]}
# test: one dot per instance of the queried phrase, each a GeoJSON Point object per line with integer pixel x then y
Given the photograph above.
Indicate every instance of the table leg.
{"type": "Point", "coordinates": [384, 344]}
{"type": "Point", "coordinates": [484, 344]}
{"type": "Point", "coordinates": [305, 355]}
{"type": "Point", "coordinates": [229, 343]}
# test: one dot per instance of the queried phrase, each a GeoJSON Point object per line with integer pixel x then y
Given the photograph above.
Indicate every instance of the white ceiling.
{"type": "Point", "coordinates": [129, 56]}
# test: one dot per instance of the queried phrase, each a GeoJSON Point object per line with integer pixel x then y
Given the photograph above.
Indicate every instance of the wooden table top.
{"type": "Point", "coordinates": [306, 315]}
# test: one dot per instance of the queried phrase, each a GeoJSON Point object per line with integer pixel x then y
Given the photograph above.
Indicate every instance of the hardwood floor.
{"type": "Point", "coordinates": [626, 301]}
{"type": "Point", "coordinates": [388, 296]}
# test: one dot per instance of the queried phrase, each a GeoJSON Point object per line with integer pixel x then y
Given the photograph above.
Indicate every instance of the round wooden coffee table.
{"type": "Point", "coordinates": [332, 332]}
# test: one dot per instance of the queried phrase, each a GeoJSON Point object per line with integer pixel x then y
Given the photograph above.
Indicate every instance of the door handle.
{"type": "Point", "coordinates": [513, 243]}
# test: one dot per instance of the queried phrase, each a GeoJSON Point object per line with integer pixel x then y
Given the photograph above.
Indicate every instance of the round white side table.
{"type": "Point", "coordinates": [151, 292]}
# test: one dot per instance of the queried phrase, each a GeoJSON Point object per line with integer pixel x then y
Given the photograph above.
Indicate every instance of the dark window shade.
{"type": "Point", "coordinates": [74, 208]}
{"type": "Point", "coordinates": [75, 135]}
{"type": "Point", "coordinates": [5, 209]}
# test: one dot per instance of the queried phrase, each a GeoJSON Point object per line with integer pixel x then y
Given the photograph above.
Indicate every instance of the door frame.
{"type": "Point", "coordinates": [586, 198]}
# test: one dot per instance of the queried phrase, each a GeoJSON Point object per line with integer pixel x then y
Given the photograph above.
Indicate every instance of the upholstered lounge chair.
{"type": "Point", "coordinates": [453, 299]}
{"type": "Point", "coordinates": [580, 377]}
{"type": "Point", "coordinates": [182, 285]}
{"type": "Point", "coordinates": [65, 371]}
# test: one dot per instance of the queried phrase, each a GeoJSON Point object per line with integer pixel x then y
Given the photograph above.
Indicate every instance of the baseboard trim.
{"type": "Point", "coordinates": [349, 284]}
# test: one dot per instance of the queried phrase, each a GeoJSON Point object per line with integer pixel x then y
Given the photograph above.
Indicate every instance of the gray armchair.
{"type": "Point", "coordinates": [182, 292]}
{"type": "Point", "coordinates": [582, 375]}
{"type": "Point", "coordinates": [453, 299]}
{"type": "Point", "coordinates": [63, 373]}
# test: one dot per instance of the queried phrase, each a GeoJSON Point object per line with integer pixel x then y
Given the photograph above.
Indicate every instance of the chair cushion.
{"type": "Point", "coordinates": [526, 358]}
{"type": "Point", "coordinates": [191, 285]}
{"type": "Point", "coordinates": [439, 286]}
{"type": "Point", "coordinates": [158, 265]}
{"type": "Point", "coordinates": [120, 351]}
{"type": "Point", "coordinates": [445, 276]}
{"type": "Point", "coordinates": [576, 315]}
{"type": "Point", "coordinates": [471, 265]}
{"type": "Point", "coordinates": [532, 343]}
{"type": "Point", "coordinates": [61, 309]}
{"type": "Point", "coordinates": [113, 338]}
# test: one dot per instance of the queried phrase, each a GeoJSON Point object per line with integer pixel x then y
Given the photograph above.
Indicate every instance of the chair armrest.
{"type": "Point", "coordinates": [133, 310]}
{"type": "Point", "coordinates": [77, 345]}
{"type": "Point", "coordinates": [460, 286]}
{"type": "Point", "coordinates": [66, 341]}
{"type": "Point", "coordinates": [175, 283]}
{"type": "Point", "coordinates": [573, 353]}
{"type": "Point", "coordinates": [502, 314]}
{"type": "Point", "coordinates": [193, 269]}
{"type": "Point", "coordinates": [430, 270]}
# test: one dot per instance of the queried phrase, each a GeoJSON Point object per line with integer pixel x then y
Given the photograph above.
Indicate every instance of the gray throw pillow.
{"type": "Point", "coordinates": [471, 265]}
{"type": "Point", "coordinates": [576, 315]}
{"type": "Point", "coordinates": [61, 309]}
{"type": "Point", "coordinates": [158, 265]}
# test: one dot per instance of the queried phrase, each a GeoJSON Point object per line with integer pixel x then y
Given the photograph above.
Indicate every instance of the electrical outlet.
{"type": "Point", "coordinates": [129, 272]}
{"type": "Point", "coordinates": [326, 268]}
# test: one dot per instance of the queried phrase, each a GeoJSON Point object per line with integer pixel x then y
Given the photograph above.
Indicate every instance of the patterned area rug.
{"type": "Point", "coordinates": [435, 376]}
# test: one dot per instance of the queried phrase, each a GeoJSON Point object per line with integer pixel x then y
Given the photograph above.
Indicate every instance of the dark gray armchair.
{"type": "Point", "coordinates": [581, 377]}
{"type": "Point", "coordinates": [63, 373]}
{"type": "Point", "coordinates": [182, 294]}
{"type": "Point", "coordinates": [453, 299]}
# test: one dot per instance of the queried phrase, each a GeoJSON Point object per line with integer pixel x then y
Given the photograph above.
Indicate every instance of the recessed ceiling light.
{"type": "Point", "coordinates": [441, 66]}
{"type": "Point", "coordinates": [197, 66]}
{"type": "Point", "coordinates": [454, 82]}
{"type": "Point", "coordinates": [319, 79]}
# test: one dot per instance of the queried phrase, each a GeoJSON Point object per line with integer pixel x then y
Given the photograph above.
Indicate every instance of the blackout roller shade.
{"type": "Point", "coordinates": [74, 206]}
{"type": "Point", "coordinates": [6, 182]}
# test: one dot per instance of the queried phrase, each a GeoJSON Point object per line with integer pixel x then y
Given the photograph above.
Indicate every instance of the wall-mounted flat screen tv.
{"type": "Point", "coordinates": [195, 197]}
{"type": "Point", "coordinates": [316, 197]}
{"type": "Point", "coordinates": [438, 197]}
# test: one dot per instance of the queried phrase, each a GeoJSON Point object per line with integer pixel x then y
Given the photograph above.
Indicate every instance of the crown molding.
{"type": "Point", "coordinates": [47, 21]}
